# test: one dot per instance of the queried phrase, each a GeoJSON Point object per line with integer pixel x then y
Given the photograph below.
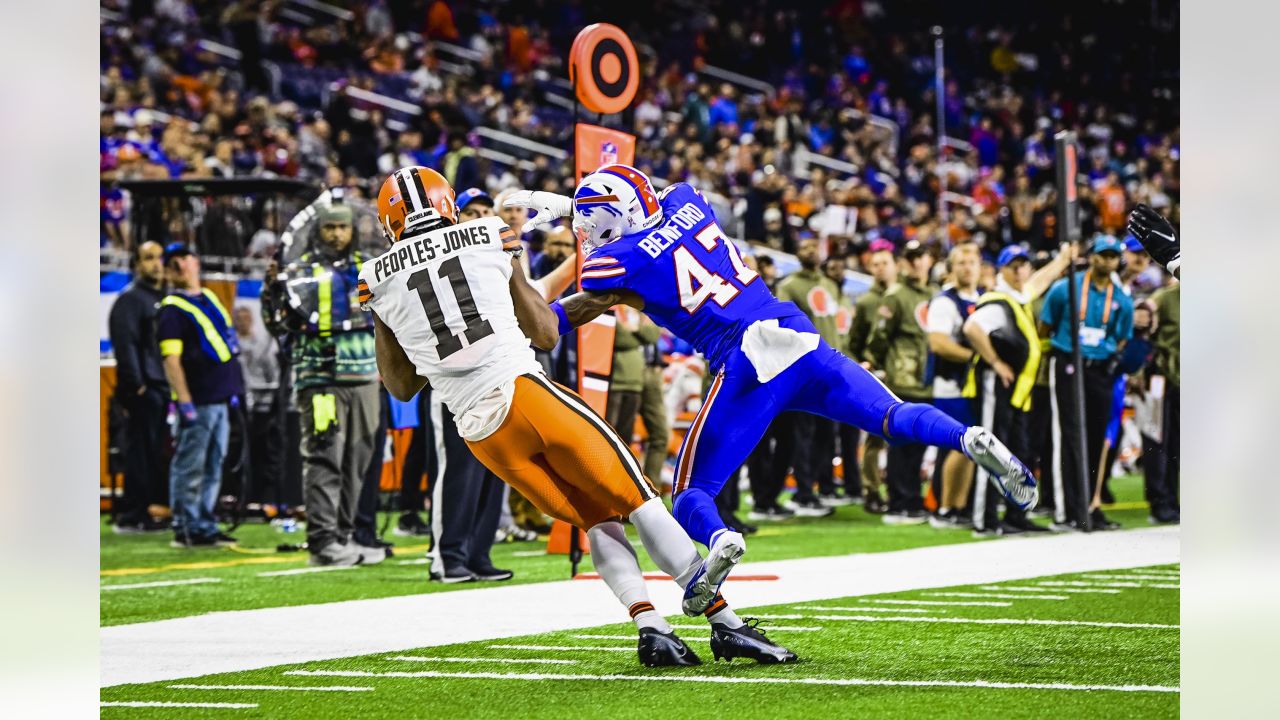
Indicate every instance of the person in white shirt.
{"type": "Point", "coordinates": [1002, 331]}
{"type": "Point", "coordinates": [952, 355]}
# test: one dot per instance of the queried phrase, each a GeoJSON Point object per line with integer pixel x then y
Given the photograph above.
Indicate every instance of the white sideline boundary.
{"type": "Point", "coordinates": [749, 679]}
{"type": "Point", "coordinates": [234, 641]}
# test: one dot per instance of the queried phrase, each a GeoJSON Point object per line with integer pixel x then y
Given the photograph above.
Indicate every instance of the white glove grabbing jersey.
{"type": "Point", "coordinates": [445, 296]}
{"type": "Point", "coordinates": [548, 207]}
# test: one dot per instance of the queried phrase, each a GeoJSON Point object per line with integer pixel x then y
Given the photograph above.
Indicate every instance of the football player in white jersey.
{"type": "Point", "coordinates": [453, 308]}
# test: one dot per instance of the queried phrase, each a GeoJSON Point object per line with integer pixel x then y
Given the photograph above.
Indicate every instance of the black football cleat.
{"type": "Point", "coordinates": [747, 642]}
{"type": "Point", "coordinates": [658, 649]}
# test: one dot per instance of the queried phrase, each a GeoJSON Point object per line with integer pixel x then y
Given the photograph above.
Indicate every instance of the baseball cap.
{"type": "Point", "coordinates": [914, 250]}
{"type": "Point", "coordinates": [470, 195]}
{"type": "Point", "coordinates": [335, 213]}
{"type": "Point", "coordinates": [1132, 244]}
{"type": "Point", "coordinates": [882, 246]}
{"type": "Point", "coordinates": [174, 250]}
{"type": "Point", "coordinates": [1107, 243]}
{"type": "Point", "coordinates": [1011, 253]}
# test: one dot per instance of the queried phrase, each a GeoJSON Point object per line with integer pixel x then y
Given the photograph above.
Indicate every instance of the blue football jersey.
{"type": "Point", "coordinates": [692, 278]}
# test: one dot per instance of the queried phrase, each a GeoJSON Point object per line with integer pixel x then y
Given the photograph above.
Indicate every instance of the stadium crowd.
{"type": "Point", "coordinates": [820, 142]}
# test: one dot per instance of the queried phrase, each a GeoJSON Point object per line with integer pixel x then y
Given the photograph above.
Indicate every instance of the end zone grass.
{"type": "Point", "coordinates": [1101, 644]}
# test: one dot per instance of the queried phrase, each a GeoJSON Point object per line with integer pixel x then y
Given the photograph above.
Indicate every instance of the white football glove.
{"type": "Point", "coordinates": [547, 206]}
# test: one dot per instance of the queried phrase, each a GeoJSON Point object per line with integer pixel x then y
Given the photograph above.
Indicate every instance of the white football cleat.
{"type": "Point", "coordinates": [726, 551]}
{"type": "Point", "coordinates": [1007, 472]}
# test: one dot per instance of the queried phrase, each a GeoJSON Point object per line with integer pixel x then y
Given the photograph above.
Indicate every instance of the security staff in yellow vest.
{"type": "Point", "coordinates": [199, 348]}
{"type": "Point", "coordinates": [1003, 333]}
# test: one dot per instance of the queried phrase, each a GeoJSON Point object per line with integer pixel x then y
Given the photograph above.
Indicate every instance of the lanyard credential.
{"type": "Point", "coordinates": [1085, 285]}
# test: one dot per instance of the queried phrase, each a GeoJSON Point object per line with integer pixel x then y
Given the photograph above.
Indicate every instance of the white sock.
{"type": "Point", "coordinates": [721, 613]}
{"type": "Point", "coordinates": [616, 562]}
{"type": "Point", "coordinates": [668, 544]}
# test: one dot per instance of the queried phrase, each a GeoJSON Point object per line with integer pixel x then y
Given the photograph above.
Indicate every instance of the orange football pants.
{"type": "Point", "coordinates": [563, 457]}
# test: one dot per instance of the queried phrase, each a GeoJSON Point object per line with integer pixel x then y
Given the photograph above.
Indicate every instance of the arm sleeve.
{"type": "Point", "coordinates": [1051, 313]}
{"type": "Point", "coordinates": [989, 317]}
{"type": "Point", "coordinates": [1124, 322]}
{"type": "Point", "coordinates": [604, 272]}
{"type": "Point", "coordinates": [123, 327]}
{"type": "Point", "coordinates": [882, 327]}
{"type": "Point", "coordinates": [648, 333]}
{"type": "Point", "coordinates": [510, 240]}
{"type": "Point", "coordinates": [943, 316]}
{"type": "Point", "coordinates": [170, 331]}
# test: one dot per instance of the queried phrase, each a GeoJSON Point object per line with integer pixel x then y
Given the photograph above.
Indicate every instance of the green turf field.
{"type": "Point", "coordinates": [1099, 644]}
{"type": "Point", "coordinates": [233, 578]}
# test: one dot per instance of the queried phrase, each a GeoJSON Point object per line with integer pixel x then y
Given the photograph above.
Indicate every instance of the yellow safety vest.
{"type": "Point", "coordinates": [1026, 381]}
{"type": "Point", "coordinates": [211, 334]}
{"type": "Point", "coordinates": [324, 292]}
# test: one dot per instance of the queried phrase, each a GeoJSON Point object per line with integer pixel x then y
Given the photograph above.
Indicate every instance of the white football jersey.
{"type": "Point", "coordinates": [445, 295]}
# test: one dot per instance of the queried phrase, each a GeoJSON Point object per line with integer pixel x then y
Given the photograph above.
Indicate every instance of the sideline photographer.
{"type": "Point", "coordinates": [335, 378]}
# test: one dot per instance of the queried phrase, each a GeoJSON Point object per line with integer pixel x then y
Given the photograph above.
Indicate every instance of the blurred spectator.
{"type": "Point", "coordinates": [420, 463]}
{"type": "Point", "coordinates": [198, 345]}
{"type": "Point", "coordinates": [846, 435]}
{"type": "Point", "coordinates": [1003, 332]}
{"type": "Point", "coordinates": [883, 267]}
{"type": "Point", "coordinates": [952, 356]}
{"type": "Point", "coordinates": [899, 337]}
{"type": "Point", "coordinates": [811, 445]}
{"type": "Point", "coordinates": [1161, 462]}
{"type": "Point", "coordinates": [766, 483]}
{"type": "Point", "coordinates": [142, 391]}
{"type": "Point", "coordinates": [260, 364]}
{"type": "Point", "coordinates": [1106, 323]}
{"type": "Point", "coordinates": [633, 331]}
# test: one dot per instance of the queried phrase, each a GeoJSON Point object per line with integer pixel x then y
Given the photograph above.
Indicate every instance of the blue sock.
{"type": "Point", "coordinates": [925, 424]}
{"type": "Point", "coordinates": [696, 512]}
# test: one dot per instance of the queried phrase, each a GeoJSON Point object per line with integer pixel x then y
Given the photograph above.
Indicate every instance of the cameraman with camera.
{"type": "Point", "coordinates": [335, 381]}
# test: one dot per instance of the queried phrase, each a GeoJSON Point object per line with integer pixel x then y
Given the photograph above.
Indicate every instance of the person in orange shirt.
{"type": "Point", "coordinates": [1112, 204]}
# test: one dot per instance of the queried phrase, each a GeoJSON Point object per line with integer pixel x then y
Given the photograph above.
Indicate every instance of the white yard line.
{"type": "Point", "coordinates": [995, 621]}
{"type": "Point", "coordinates": [562, 648]}
{"type": "Point", "coordinates": [529, 553]}
{"type": "Point", "coordinates": [753, 680]}
{"type": "Point", "coordinates": [994, 603]}
{"type": "Point", "coordinates": [763, 626]}
{"type": "Point", "coordinates": [1110, 580]}
{"type": "Point", "coordinates": [853, 609]}
{"type": "Point", "coordinates": [293, 688]}
{"type": "Point", "coordinates": [157, 704]}
{"type": "Point", "coordinates": [1109, 577]}
{"type": "Point", "coordinates": [505, 661]}
{"type": "Point", "coordinates": [1102, 584]}
{"type": "Point", "coordinates": [221, 642]}
{"type": "Point", "coordinates": [1016, 588]}
{"type": "Point", "coordinates": [160, 583]}
{"type": "Point", "coordinates": [998, 596]}
{"type": "Point", "coordinates": [307, 570]}
{"type": "Point", "coordinates": [416, 561]}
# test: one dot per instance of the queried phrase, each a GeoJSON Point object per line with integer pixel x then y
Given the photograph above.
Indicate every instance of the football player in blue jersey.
{"type": "Point", "coordinates": [666, 255]}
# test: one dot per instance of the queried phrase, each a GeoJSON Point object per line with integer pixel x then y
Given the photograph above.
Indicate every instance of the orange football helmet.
{"type": "Point", "coordinates": [416, 198]}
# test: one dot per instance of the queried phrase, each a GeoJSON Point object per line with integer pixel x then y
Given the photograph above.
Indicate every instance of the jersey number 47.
{"type": "Point", "coordinates": [697, 284]}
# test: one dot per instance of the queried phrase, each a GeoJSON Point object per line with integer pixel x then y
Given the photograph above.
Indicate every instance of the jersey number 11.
{"type": "Point", "coordinates": [448, 342]}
